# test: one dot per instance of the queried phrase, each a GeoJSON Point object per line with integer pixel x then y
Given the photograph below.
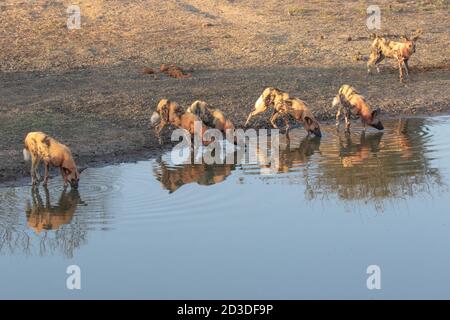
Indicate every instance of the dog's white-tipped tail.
{"type": "Point", "coordinates": [259, 104]}
{"type": "Point", "coordinates": [336, 102]}
{"type": "Point", "coordinates": [26, 155]}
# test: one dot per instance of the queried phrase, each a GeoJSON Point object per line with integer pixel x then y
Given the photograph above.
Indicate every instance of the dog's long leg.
{"type": "Point", "coordinates": [380, 58]}
{"type": "Point", "coordinates": [372, 59]}
{"type": "Point", "coordinates": [288, 126]}
{"type": "Point", "coordinates": [347, 120]}
{"type": "Point", "coordinates": [252, 114]}
{"type": "Point", "coordinates": [405, 64]}
{"type": "Point", "coordinates": [273, 118]}
{"type": "Point", "coordinates": [400, 69]}
{"type": "Point", "coordinates": [34, 167]}
{"type": "Point", "coordinates": [47, 198]}
{"type": "Point", "coordinates": [33, 178]}
{"type": "Point", "coordinates": [338, 116]}
{"type": "Point", "coordinates": [64, 177]}
{"type": "Point", "coordinates": [47, 165]}
{"type": "Point", "coordinates": [159, 128]}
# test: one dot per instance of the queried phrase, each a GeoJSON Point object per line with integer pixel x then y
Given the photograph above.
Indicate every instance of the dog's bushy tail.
{"type": "Point", "coordinates": [26, 154]}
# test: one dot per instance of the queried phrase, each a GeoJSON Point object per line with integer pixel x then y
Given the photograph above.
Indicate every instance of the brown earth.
{"type": "Point", "coordinates": [88, 87]}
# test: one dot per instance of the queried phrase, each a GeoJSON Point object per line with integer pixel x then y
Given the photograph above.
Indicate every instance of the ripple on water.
{"type": "Point", "coordinates": [146, 201]}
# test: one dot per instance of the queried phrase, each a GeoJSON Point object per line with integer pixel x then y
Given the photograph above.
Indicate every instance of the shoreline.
{"type": "Point", "coordinates": [145, 154]}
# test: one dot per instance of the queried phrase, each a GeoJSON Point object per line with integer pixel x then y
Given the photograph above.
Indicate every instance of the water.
{"type": "Point", "coordinates": [154, 229]}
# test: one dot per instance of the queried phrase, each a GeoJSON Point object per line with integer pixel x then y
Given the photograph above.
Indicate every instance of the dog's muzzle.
{"type": "Point", "coordinates": [317, 132]}
{"type": "Point", "coordinates": [155, 119]}
{"type": "Point", "coordinates": [378, 126]}
{"type": "Point", "coordinates": [74, 184]}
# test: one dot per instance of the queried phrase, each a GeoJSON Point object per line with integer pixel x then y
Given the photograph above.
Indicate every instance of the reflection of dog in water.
{"type": "Point", "coordinates": [44, 216]}
{"type": "Point", "coordinates": [173, 178]}
{"type": "Point", "coordinates": [356, 153]}
{"type": "Point", "coordinates": [293, 155]}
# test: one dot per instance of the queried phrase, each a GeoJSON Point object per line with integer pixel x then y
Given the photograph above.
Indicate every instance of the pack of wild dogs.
{"type": "Point", "coordinates": [39, 147]}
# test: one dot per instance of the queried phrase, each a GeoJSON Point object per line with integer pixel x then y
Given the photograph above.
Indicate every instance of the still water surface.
{"type": "Point", "coordinates": [154, 229]}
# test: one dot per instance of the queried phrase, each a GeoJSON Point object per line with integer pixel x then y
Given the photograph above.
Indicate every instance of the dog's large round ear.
{"type": "Point", "coordinates": [194, 106]}
{"type": "Point", "coordinates": [46, 140]}
{"type": "Point", "coordinates": [376, 112]}
{"type": "Point", "coordinates": [416, 34]}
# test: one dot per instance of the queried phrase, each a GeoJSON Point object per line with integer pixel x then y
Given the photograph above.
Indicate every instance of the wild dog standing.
{"type": "Point", "coordinates": [170, 113]}
{"type": "Point", "coordinates": [402, 51]}
{"type": "Point", "coordinates": [284, 105]}
{"type": "Point", "coordinates": [212, 117]}
{"type": "Point", "coordinates": [40, 147]}
{"type": "Point", "coordinates": [351, 103]}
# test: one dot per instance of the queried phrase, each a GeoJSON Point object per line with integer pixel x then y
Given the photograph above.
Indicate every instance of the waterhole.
{"type": "Point", "coordinates": [309, 229]}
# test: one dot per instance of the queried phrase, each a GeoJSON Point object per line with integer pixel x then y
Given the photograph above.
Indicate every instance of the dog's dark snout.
{"type": "Point", "coordinates": [74, 184]}
{"type": "Point", "coordinates": [317, 132]}
{"type": "Point", "coordinates": [378, 126]}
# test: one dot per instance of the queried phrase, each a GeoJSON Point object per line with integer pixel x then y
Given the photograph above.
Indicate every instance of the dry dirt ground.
{"type": "Point", "coordinates": [86, 87]}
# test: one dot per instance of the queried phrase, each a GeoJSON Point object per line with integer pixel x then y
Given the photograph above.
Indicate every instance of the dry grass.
{"type": "Point", "coordinates": [203, 33]}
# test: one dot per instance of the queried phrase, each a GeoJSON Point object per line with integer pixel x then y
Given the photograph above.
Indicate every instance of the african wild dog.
{"type": "Point", "coordinates": [284, 105]}
{"type": "Point", "coordinates": [402, 51]}
{"type": "Point", "coordinates": [352, 103]}
{"type": "Point", "coordinates": [170, 113]}
{"type": "Point", "coordinates": [212, 117]}
{"type": "Point", "coordinates": [40, 147]}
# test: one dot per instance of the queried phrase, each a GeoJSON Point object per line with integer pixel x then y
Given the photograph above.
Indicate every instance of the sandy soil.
{"type": "Point", "coordinates": [86, 87]}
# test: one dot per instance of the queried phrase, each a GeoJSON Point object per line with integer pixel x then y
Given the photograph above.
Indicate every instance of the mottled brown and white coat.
{"type": "Point", "coordinates": [351, 103]}
{"type": "Point", "coordinates": [283, 105]}
{"type": "Point", "coordinates": [212, 117]}
{"type": "Point", "coordinates": [41, 147]}
{"type": "Point", "coordinates": [170, 113]}
{"type": "Point", "coordinates": [402, 51]}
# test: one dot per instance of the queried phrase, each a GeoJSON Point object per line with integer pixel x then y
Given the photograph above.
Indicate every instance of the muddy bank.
{"type": "Point", "coordinates": [103, 113]}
